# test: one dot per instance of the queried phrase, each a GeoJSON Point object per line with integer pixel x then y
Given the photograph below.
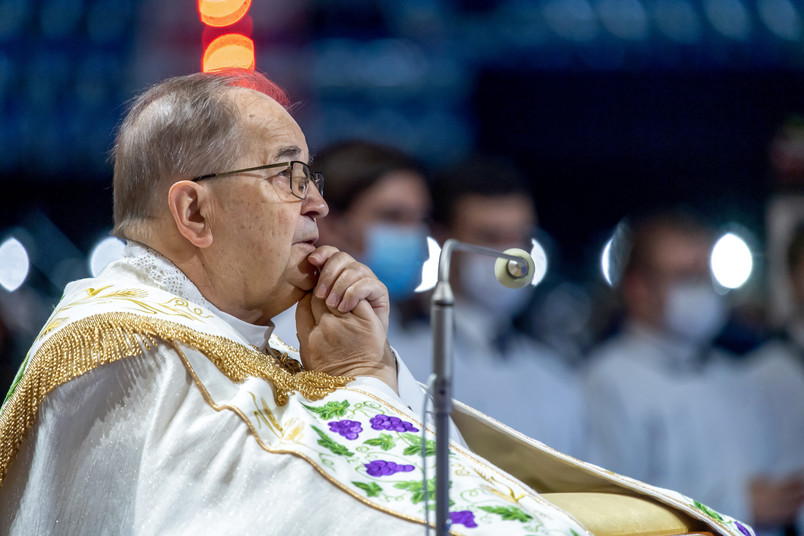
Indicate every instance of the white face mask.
{"type": "Point", "coordinates": [480, 285]}
{"type": "Point", "coordinates": [694, 311]}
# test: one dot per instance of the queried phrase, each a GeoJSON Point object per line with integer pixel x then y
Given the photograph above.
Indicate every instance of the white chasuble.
{"type": "Point", "coordinates": [138, 411]}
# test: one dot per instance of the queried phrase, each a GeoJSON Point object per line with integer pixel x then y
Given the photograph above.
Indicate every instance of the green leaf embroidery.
{"type": "Point", "coordinates": [708, 511]}
{"type": "Point", "coordinates": [329, 443]}
{"type": "Point", "coordinates": [415, 446]}
{"type": "Point", "coordinates": [417, 489]}
{"type": "Point", "coordinates": [385, 442]}
{"type": "Point", "coordinates": [330, 410]}
{"type": "Point", "coordinates": [508, 513]}
{"type": "Point", "coordinates": [372, 489]}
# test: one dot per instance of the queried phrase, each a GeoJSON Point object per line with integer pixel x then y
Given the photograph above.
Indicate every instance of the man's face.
{"type": "Point", "coordinates": [677, 258]}
{"type": "Point", "coordinates": [680, 258]}
{"type": "Point", "coordinates": [400, 198]}
{"type": "Point", "coordinates": [498, 222]}
{"type": "Point", "coordinates": [262, 234]}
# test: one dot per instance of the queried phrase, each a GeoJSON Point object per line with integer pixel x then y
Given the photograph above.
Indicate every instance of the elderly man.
{"type": "Point", "coordinates": [155, 400]}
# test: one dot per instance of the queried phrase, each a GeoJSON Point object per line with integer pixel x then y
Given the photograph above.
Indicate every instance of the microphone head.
{"type": "Point", "coordinates": [511, 274]}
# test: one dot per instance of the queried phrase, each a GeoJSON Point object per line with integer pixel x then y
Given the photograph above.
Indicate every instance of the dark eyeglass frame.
{"type": "Point", "coordinates": [316, 177]}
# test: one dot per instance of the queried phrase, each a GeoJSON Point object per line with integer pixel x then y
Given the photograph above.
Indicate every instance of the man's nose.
{"type": "Point", "coordinates": [314, 205]}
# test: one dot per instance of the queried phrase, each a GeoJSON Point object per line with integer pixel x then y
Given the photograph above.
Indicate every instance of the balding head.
{"type": "Point", "coordinates": [178, 129]}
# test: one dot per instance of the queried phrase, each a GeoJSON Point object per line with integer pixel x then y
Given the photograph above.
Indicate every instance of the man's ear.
{"type": "Point", "coordinates": [187, 201]}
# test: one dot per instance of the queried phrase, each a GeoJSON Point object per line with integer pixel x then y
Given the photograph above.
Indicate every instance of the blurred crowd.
{"type": "Point", "coordinates": [663, 376]}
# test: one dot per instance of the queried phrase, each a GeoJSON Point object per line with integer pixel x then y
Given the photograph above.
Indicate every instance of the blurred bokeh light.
{"type": "Point", "coordinates": [14, 264]}
{"type": "Point", "coordinates": [539, 260]}
{"type": "Point", "coordinates": [105, 251]}
{"type": "Point", "coordinates": [732, 261]}
{"type": "Point", "coordinates": [220, 13]}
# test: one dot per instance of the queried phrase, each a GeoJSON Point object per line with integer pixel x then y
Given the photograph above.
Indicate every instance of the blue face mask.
{"type": "Point", "coordinates": [396, 254]}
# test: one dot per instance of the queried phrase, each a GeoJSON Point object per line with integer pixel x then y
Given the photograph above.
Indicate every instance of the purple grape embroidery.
{"type": "Point", "coordinates": [346, 428]}
{"type": "Point", "coordinates": [463, 517]}
{"type": "Point", "coordinates": [384, 422]}
{"type": "Point", "coordinates": [386, 468]}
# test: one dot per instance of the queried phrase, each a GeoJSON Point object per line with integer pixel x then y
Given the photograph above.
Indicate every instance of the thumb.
{"type": "Point", "coordinates": [304, 318]}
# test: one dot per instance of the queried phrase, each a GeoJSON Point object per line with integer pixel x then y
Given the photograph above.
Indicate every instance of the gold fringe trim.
{"type": "Point", "coordinates": [105, 338]}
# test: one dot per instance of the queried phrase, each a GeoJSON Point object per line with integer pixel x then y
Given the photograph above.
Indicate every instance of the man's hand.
{"type": "Point", "coordinates": [342, 323]}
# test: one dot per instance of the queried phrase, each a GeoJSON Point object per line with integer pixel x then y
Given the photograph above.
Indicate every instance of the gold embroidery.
{"type": "Point", "coordinates": [287, 362]}
{"type": "Point", "coordinates": [293, 430]}
{"type": "Point", "coordinates": [105, 338]}
{"type": "Point", "coordinates": [50, 326]}
{"type": "Point", "coordinates": [91, 292]}
{"type": "Point", "coordinates": [265, 415]}
{"type": "Point", "coordinates": [135, 296]}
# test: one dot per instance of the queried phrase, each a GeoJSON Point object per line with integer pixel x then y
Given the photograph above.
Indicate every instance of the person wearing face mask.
{"type": "Point", "coordinates": [665, 406]}
{"type": "Point", "coordinates": [499, 368]}
{"type": "Point", "coordinates": [778, 370]}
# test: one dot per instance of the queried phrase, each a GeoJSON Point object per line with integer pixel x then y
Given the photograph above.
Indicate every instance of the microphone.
{"type": "Point", "coordinates": [515, 273]}
{"type": "Point", "coordinates": [514, 268]}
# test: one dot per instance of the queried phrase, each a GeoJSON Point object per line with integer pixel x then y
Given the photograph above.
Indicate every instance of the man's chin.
{"type": "Point", "coordinates": [304, 277]}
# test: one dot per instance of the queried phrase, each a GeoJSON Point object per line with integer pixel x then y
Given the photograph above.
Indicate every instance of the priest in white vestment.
{"type": "Point", "coordinates": [156, 401]}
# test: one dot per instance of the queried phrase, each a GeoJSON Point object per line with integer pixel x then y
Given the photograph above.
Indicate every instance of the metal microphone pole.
{"type": "Point", "coordinates": [442, 318]}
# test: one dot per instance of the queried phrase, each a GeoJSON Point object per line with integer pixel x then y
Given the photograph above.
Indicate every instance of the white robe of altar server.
{"type": "Point", "coordinates": [777, 371]}
{"type": "Point", "coordinates": [663, 413]}
{"type": "Point", "coordinates": [520, 382]}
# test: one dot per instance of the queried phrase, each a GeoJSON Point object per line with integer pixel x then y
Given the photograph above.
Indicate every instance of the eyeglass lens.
{"type": "Point", "coordinates": [301, 176]}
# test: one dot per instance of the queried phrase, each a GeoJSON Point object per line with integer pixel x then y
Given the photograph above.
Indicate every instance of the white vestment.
{"type": "Point", "coordinates": [141, 410]}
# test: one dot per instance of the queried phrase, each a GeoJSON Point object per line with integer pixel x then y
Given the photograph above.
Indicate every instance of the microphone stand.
{"type": "Point", "coordinates": [443, 322]}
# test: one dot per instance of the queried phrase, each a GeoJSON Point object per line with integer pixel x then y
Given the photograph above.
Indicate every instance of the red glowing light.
{"type": "Point", "coordinates": [220, 13]}
{"type": "Point", "coordinates": [229, 50]}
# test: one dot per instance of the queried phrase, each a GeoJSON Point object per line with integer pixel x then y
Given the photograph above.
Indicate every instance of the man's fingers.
{"type": "Point", "coordinates": [363, 309]}
{"type": "Point", "coordinates": [370, 290]}
{"type": "Point", "coordinates": [337, 274]}
{"type": "Point", "coordinates": [329, 271]}
{"type": "Point", "coordinates": [321, 255]}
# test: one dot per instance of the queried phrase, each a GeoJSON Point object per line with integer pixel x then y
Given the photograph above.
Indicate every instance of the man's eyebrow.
{"type": "Point", "coordinates": [286, 153]}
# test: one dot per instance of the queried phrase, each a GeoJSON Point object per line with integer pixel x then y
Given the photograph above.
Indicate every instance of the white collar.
{"type": "Point", "coordinates": [158, 270]}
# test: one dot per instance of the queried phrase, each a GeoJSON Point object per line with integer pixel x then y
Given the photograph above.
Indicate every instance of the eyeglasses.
{"type": "Point", "coordinates": [300, 176]}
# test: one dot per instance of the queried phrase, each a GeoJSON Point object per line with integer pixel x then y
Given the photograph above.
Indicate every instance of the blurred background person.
{"type": "Point", "coordinates": [778, 369]}
{"type": "Point", "coordinates": [380, 204]}
{"type": "Point", "coordinates": [665, 405]}
{"type": "Point", "coordinates": [499, 369]}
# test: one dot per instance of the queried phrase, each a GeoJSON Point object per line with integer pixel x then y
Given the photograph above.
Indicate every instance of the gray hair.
{"type": "Point", "coordinates": [181, 128]}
